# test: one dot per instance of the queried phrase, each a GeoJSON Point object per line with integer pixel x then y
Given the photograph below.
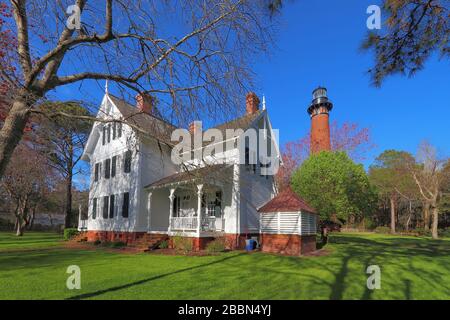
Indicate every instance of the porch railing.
{"type": "Point", "coordinates": [190, 224]}
{"type": "Point", "coordinates": [184, 223]}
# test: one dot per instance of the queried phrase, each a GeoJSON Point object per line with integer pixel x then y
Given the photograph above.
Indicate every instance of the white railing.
{"type": "Point", "coordinates": [209, 224]}
{"type": "Point", "coordinates": [183, 223]}
{"type": "Point", "coordinates": [190, 224]}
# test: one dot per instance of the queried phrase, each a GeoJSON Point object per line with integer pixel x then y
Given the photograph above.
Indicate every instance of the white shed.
{"type": "Point", "coordinates": [288, 225]}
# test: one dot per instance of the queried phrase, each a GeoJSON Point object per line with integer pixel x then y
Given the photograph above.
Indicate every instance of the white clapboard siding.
{"type": "Point", "coordinates": [309, 224]}
{"type": "Point", "coordinates": [288, 223]}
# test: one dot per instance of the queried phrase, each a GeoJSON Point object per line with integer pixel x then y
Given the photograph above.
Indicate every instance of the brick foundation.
{"type": "Point", "coordinates": [232, 241]}
{"type": "Point", "coordinates": [112, 236]}
{"type": "Point", "coordinates": [288, 244]}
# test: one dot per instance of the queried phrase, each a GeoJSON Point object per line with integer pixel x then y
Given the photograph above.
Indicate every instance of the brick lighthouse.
{"type": "Point", "coordinates": [320, 127]}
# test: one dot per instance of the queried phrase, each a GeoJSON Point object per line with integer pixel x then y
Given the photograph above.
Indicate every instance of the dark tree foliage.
{"type": "Point", "coordinates": [412, 32]}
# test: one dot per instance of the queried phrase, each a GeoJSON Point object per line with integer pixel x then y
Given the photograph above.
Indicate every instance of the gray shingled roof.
{"type": "Point", "coordinates": [211, 172]}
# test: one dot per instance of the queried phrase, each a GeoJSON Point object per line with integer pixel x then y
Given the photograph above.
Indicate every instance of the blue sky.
{"type": "Point", "coordinates": [318, 44]}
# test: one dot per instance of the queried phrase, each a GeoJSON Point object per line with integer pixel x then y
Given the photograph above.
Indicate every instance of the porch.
{"type": "Point", "coordinates": [193, 208]}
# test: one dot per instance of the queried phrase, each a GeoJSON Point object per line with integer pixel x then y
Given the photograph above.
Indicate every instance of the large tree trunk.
{"type": "Point", "coordinates": [434, 228]}
{"type": "Point", "coordinates": [426, 216]}
{"type": "Point", "coordinates": [12, 131]}
{"type": "Point", "coordinates": [69, 178]}
{"type": "Point", "coordinates": [68, 203]}
{"type": "Point", "coordinates": [392, 200]}
{"type": "Point", "coordinates": [19, 230]}
{"type": "Point", "coordinates": [408, 221]}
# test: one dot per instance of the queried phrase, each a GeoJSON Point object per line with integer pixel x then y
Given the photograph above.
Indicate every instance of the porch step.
{"type": "Point", "coordinates": [149, 242]}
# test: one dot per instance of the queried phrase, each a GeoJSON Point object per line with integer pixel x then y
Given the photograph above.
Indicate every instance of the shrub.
{"type": "Point", "coordinates": [382, 229]}
{"type": "Point", "coordinates": [118, 244]}
{"type": "Point", "coordinates": [69, 233]}
{"type": "Point", "coordinates": [183, 244]}
{"type": "Point", "coordinates": [164, 244]}
{"type": "Point", "coordinates": [444, 233]}
{"type": "Point", "coordinates": [421, 232]}
{"type": "Point", "coordinates": [97, 242]}
{"type": "Point", "coordinates": [217, 245]}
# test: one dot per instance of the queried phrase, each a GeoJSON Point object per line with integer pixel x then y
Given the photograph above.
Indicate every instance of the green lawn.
{"type": "Point", "coordinates": [34, 267]}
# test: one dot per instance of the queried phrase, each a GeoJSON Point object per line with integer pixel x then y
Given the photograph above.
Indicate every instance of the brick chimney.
{"type": "Point", "coordinates": [251, 103]}
{"type": "Point", "coordinates": [319, 110]}
{"type": "Point", "coordinates": [195, 127]}
{"type": "Point", "coordinates": [145, 103]}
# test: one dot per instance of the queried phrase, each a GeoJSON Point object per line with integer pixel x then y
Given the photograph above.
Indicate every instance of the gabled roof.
{"type": "Point", "coordinates": [287, 201]}
{"type": "Point", "coordinates": [204, 173]}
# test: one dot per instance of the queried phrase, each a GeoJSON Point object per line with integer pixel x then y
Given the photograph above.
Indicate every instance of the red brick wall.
{"type": "Point", "coordinates": [320, 133]}
{"type": "Point", "coordinates": [111, 236]}
{"type": "Point", "coordinates": [288, 244]}
{"type": "Point", "coordinates": [308, 244]}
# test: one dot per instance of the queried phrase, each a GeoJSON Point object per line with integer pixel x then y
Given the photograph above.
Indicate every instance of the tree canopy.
{"type": "Point", "coordinates": [333, 184]}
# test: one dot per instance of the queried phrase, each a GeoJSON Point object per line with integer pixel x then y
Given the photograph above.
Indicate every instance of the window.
{"type": "Point", "coordinates": [104, 136]}
{"type": "Point", "coordinates": [127, 162]}
{"type": "Point", "coordinates": [114, 130]}
{"type": "Point", "coordinates": [96, 171]}
{"type": "Point", "coordinates": [105, 207]}
{"type": "Point", "coordinates": [125, 204]}
{"type": "Point", "coordinates": [113, 166]}
{"type": "Point", "coordinates": [94, 208]}
{"type": "Point", "coordinates": [111, 206]}
{"type": "Point", "coordinates": [107, 168]}
{"type": "Point", "coordinates": [109, 133]}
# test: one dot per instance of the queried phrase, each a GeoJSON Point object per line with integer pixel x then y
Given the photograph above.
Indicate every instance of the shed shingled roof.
{"type": "Point", "coordinates": [286, 201]}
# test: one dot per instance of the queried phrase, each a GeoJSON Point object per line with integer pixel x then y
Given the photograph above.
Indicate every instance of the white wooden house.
{"type": "Point", "coordinates": [137, 191]}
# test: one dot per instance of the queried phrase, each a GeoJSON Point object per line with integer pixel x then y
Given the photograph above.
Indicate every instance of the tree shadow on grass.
{"type": "Point", "coordinates": [139, 282]}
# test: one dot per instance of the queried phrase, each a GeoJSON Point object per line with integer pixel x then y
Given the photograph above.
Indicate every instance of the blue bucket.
{"type": "Point", "coordinates": [249, 244]}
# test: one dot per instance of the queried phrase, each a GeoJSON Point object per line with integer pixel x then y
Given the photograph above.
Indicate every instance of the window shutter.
{"type": "Point", "coordinates": [127, 162]}
{"type": "Point", "coordinates": [125, 204]}
{"type": "Point", "coordinates": [96, 171]}
{"type": "Point", "coordinates": [119, 129]}
{"type": "Point", "coordinates": [111, 206]}
{"type": "Point", "coordinates": [107, 168]}
{"type": "Point", "coordinates": [94, 208]}
{"type": "Point", "coordinates": [105, 207]}
{"type": "Point", "coordinates": [113, 166]}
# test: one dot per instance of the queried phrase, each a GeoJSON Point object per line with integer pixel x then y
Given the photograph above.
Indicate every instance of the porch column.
{"type": "Point", "coordinates": [80, 225]}
{"type": "Point", "coordinates": [171, 198]}
{"type": "Point", "coordinates": [199, 207]}
{"type": "Point", "coordinates": [149, 210]}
